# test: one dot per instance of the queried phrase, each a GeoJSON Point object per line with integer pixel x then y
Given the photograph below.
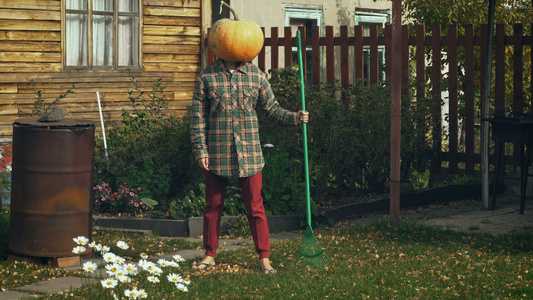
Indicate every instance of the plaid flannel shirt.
{"type": "Point", "coordinates": [224, 126]}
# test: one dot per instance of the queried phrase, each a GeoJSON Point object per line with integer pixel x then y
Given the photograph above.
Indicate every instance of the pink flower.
{"type": "Point", "coordinates": [136, 204]}
{"type": "Point", "coordinates": [103, 198]}
{"type": "Point", "coordinates": [131, 202]}
{"type": "Point", "coordinates": [139, 188]}
{"type": "Point", "coordinates": [132, 193]}
{"type": "Point", "coordinates": [99, 187]}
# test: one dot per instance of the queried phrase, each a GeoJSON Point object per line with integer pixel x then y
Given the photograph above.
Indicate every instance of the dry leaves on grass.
{"type": "Point", "coordinates": [221, 269]}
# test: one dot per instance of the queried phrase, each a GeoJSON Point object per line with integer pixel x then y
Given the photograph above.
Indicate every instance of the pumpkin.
{"type": "Point", "coordinates": [235, 40]}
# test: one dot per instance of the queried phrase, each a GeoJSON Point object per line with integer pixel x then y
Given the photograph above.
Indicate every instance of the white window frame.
{"type": "Point", "coordinates": [374, 18]}
{"type": "Point", "coordinates": [306, 14]}
{"type": "Point", "coordinates": [88, 11]}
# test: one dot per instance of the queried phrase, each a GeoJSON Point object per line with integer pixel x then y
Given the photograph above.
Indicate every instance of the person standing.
{"type": "Point", "coordinates": [225, 139]}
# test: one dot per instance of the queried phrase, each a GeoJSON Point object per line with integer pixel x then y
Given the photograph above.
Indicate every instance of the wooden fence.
{"type": "Point", "coordinates": [453, 67]}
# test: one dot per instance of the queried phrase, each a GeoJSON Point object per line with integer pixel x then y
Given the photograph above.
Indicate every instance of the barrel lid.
{"type": "Point", "coordinates": [66, 122]}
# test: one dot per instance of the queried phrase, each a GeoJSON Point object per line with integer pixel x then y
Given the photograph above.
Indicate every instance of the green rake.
{"type": "Point", "coordinates": [313, 255]}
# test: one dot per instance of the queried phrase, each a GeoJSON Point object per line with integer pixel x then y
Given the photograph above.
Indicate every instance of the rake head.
{"type": "Point", "coordinates": [313, 254]}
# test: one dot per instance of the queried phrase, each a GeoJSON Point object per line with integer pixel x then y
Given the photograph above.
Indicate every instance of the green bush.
{"type": "Point", "coordinates": [147, 148]}
{"type": "Point", "coordinates": [4, 234]}
{"type": "Point", "coordinates": [349, 148]}
{"type": "Point", "coordinates": [349, 142]}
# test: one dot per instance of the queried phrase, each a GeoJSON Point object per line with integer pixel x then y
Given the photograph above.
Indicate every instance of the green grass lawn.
{"type": "Point", "coordinates": [365, 262]}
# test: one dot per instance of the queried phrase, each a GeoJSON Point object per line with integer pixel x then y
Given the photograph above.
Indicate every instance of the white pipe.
{"type": "Point", "coordinates": [102, 123]}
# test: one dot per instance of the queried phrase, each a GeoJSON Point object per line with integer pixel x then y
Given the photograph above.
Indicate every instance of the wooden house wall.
{"type": "Point", "coordinates": [30, 49]}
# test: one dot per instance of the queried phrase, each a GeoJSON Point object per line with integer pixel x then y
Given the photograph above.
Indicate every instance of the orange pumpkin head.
{"type": "Point", "coordinates": [235, 40]}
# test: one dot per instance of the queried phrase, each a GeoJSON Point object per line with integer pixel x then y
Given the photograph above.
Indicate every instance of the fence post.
{"type": "Point", "coordinates": [330, 54]}
{"type": "Point", "coordinates": [274, 48]}
{"type": "Point", "coordinates": [436, 81]}
{"type": "Point", "coordinates": [287, 43]}
{"type": "Point", "coordinates": [315, 44]}
{"type": "Point", "coordinates": [469, 98]}
{"type": "Point", "coordinates": [359, 53]}
{"type": "Point", "coordinates": [453, 99]}
{"type": "Point", "coordinates": [345, 65]}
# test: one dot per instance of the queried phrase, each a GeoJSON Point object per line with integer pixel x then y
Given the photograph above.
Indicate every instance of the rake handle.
{"type": "Point", "coordinates": [304, 128]}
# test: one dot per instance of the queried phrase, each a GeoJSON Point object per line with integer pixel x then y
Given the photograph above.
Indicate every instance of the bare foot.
{"type": "Point", "coordinates": [266, 266]}
{"type": "Point", "coordinates": [207, 262]}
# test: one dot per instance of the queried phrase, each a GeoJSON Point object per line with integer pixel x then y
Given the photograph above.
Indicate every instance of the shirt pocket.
{"type": "Point", "coordinates": [249, 99]}
{"type": "Point", "coordinates": [216, 100]}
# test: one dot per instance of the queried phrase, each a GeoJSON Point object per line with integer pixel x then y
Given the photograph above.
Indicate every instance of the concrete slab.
{"type": "Point", "coordinates": [14, 295]}
{"type": "Point", "coordinates": [57, 285]}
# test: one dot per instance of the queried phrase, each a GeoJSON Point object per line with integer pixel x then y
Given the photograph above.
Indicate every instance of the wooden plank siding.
{"type": "Point", "coordinates": [30, 49]}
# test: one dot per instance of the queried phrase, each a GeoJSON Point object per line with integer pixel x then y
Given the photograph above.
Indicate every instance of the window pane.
{"type": "Point", "coordinates": [128, 41]}
{"type": "Point", "coordinates": [76, 40]}
{"type": "Point", "coordinates": [128, 6]}
{"type": "Point", "coordinates": [102, 40]}
{"type": "Point", "coordinates": [103, 5]}
{"type": "Point", "coordinates": [76, 4]}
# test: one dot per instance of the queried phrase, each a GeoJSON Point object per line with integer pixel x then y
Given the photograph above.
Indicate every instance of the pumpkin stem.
{"type": "Point", "coordinates": [235, 16]}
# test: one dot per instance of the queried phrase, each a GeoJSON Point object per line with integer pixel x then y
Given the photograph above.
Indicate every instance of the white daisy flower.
{"type": "Point", "coordinates": [122, 245]}
{"type": "Point", "coordinates": [142, 294]}
{"type": "Point", "coordinates": [163, 262]}
{"type": "Point", "coordinates": [124, 279]}
{"type": "Point", "coordinates": [113, 269]}
{"type": "Point", "coordinates": [157, 271]}
{"type": "Point", "coordinates": [79, 249]}
{"type": "Point", "coordinates": [132, 294]}
{"type": "Point", "coordinates": [149, 266]}
{"type": "Point", "coordinates": [109, 257]}
{"type": "Point", "coordinates": [119, 260]}
{"type": "Point", "coordinates": [93, 245]}
{"type": "Point", "coordinates": [178, 258]}
{"type": "Point", "coordinates": [182, 287]}
{"type": "Point", "coordinates": [144, 255]}
{"type": "Point", "coordinates": [131, 269]}
{"type": "Point", "coordinates": [175, 278]}
{"type": "Point", "coordinates": [90, 266]}
{"type": "Point", "coordinates": [109, 283]}
{"type": "Point", "coordinates": [142, 263]}
{"type": "Point", "coordinates": [153, 279]}
{"type": "Point", "coordinates": [186, 280]}
{"type": "Point", "coordinates": [105, 249]}
{"type": "Point", "coordinates": [98, 247]}
{"type": "Point", "coordinates": [81, 240]}
{"type": "Point", "coordinates": [173, 264]}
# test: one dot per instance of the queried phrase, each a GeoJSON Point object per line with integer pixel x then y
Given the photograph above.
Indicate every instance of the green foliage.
{"type": "Point", "coordinates": [147, 148]}
{"type": "Point", "coordinates": [124, 200]}
{"type": "Point", "coordinates": [283, 184]}
{"type": "Point", "coordinates": [192, 204]}
{"type": "Point", "coordinates": [239, 227]}
{"type": "Point", "coordinates": [5, 182]}
{"type": "Point", "coordinates": [4, 234]}
{"type": "Point", "coordinates": [349, 141]}
{"type": "Point", "coordinates": [40, 107]}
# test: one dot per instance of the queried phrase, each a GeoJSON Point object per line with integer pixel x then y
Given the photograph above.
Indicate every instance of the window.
{"type": "Point", "coordinates": [308, 18]}
{"type": "Point", "coordinates": [102, 34]}
{"type": "Point", "coordinates": [367, 19]}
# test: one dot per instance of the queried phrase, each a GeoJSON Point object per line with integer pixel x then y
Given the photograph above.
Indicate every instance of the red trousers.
{"type": "Point", "coordinates": [255, 212]}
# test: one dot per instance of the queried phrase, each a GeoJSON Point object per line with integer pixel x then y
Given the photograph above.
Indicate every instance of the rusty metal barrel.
{"type": "Point", "coordinates": [52, 177]}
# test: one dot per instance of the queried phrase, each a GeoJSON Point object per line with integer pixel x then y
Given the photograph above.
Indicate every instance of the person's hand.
{"type": "Point", "coordinates": [302, 117]}
{"type": "Point", "coordinates": [204, 163]}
